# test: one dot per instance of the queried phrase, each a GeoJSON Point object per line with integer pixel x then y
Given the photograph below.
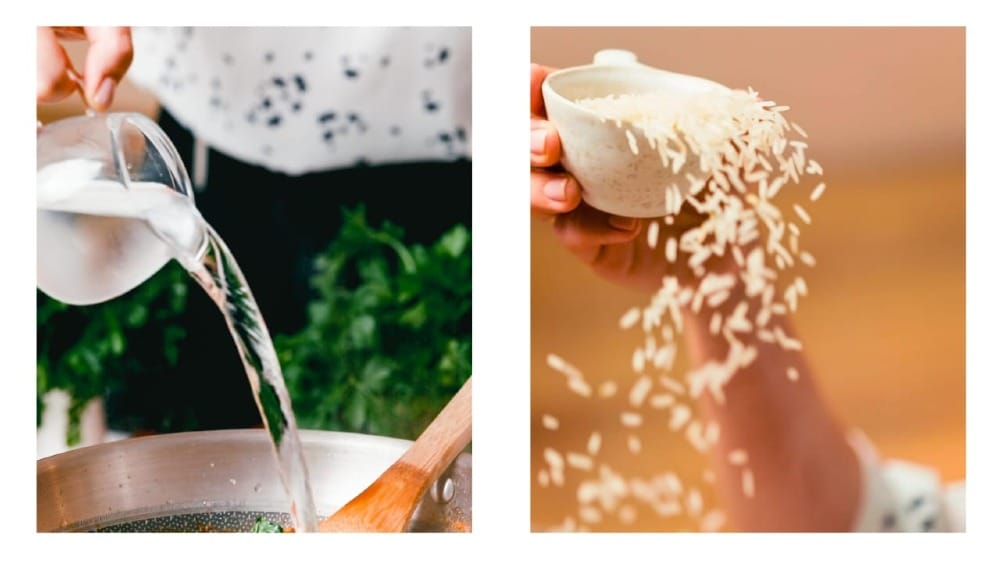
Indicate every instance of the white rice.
{"type": "Point", "coordinates": [550, 422]}
{"type": "Point", "coordinates": [627, 514]}
{"type": "Point", "coordinates": [557, 363]}
{"type": "Point", "coordinates": [639, 391]}
{"type": "Point", "coordinates": [748, 483]}
{"type": "Point", "coordinates": [580, 387]}
{"type": "Point", "coordinates": [579, 461]}
{"type": "Point", "coordinates": [590, 514]}
{"type": "Point", "coordinates": [802, 214]}
{"type": "Point", "coordinates": [661, 401]}
{"type": "Point", "coordinates": [713, 521]}
{"type": "Point", "coordinates": [738, 457]}
{"type": "Point", "coordinates": [557, 477]}
{"type": "Point", "coordinates": [694, 502]}
{"type": "Point", "coordinates": [672, 384]}
{"type": "Point", "coordinates": [553, 458]}
{"type": "Point", "coordinates": [607, 389]}
{"type": "Point", "coordinates": [652, 234]}
{"type": "Point", "coordinates": [793, 374]}
{"type": "Point", "coordinates": [594, 443]}
{"type": "Point", "coordinates": [679, 416]}
{"type": "Point", "coordinates": [638, 360]}
{"type": "Point", "coordinates": [631, 419]}
{"type": "Point", "coordinates": [712, 432]}
{"type": "Point", "coordinates": [634, 444]}
{"type": "Point", "coordinates": [716, 323]}
{"type": "Point", "coordinates": [630, 318]}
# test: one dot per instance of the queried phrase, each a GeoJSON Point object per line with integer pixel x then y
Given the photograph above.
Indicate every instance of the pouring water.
{"type": "Point", "coordinates": [114, 205]}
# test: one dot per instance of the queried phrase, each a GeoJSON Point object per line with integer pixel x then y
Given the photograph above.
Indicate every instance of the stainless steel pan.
{"type": "Point", "coordinates": [222, 480]}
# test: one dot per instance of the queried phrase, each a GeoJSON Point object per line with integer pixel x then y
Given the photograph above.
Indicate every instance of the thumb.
{"type": "Point", "coordinates": [108, 57]}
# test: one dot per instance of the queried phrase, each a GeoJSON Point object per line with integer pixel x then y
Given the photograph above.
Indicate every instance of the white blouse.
{"type": "Point", "coordinates": [298, 100]}
{"type": "Point", "coordinates": [900, 496]}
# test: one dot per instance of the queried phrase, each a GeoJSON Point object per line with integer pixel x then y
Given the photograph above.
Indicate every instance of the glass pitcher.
{"type": "Point", "coordinates": [111, 190]}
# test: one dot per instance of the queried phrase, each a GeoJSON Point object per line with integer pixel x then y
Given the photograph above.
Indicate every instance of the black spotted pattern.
{"type": "Point", "coordinates": [282, 96]}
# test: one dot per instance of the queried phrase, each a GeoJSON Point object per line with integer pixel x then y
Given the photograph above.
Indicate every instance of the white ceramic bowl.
{"type": "Point", "coordinates": [596, 152]}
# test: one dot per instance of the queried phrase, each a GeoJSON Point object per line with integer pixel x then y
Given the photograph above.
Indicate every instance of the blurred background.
{"type": "Point", "coordinates": [884, 322]}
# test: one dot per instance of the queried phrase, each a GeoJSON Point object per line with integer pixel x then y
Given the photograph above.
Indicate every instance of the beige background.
{"type": "Point", "coordinates": [884, 324]}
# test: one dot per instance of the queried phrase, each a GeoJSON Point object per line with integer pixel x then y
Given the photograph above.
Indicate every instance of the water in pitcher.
{"type": "Point", "coordinates": [128, 234]}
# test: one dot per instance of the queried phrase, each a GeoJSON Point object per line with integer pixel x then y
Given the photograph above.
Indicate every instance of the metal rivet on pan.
{"type": "Point", "coordinates": [443, 490]}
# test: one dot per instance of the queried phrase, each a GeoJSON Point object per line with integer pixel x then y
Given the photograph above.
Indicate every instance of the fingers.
{"type": "Point", "coordinates": [538, 74]}
{"type": "Point", "coordinates": [553, 192]}
{"type": "Point", "coordinates": [108, 57]}
{"type": "Point", "coordinates": [585, 231]}
{"type": "Point", "coordinates": [53, 82]}
{"type": "Point", "coordinates": [545, 146]}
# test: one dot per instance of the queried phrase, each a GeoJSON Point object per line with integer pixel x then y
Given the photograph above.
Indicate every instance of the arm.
{"type": "Point", "coordinates": [806, 475]}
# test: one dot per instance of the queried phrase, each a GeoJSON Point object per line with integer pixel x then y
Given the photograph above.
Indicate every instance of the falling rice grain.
{"type": "Point", "coordinates": [638, 360]}
{"type": "Point", "coordinates": [672, 384]}
{"type": "Point", "coordinates": [738, 457]}
{"type": "Point", "coordinates": [607, 389]}
{"type": "Point", "coordinates": [627, 514]}
{"type": "Point", "coordinates": [543, 478]}
{"type": "Point", "coordinates": [712, 432]}
{"type": "Point", "coordinates": [667, 509]}
{"type": "Point", "coordinates": [579, 461]}
{"type": "Point", "coordinates": [590, 514]}
{"type": "Point", "coordinates": [557, 477]}
{"type": "Point", "coordinates": [748, 484]}
{"type": "Point", "coordinates": [802, 214]}
{"type": "Point", "coordinates": [695, 437]}
{"type": "Point", "coordinates": [634, 444]}
{"type": "Point", "coordinates": [716, 323]}
{"type": "Point", "coordinates": [679, 415]}
{"type": "Point", "coordinates": [630, 318]}
{"type": "Point", "coordinates": [639, 391]}
{"type": "Point", "coordinates": [661, 401]}
{"type": "Point", "coordinates": [557, 363]}
{"type": "Point", "coordinates": [717, 299]}
{"type": "Point", "coordinates": [713, 521]}
{"type": "Point", "coordinates": [550, 422]}
{"type": "Point", "coordinates": [793, 374]}
{"type": "Point", "coordinates": [594, 443]}
{"type": "Point", "coordinates": [817, 192]}
{"type": "Point", "coordinates": [672, 483]}
{"type": "Point", "coordinates": [631, 419]}
{"type": "Point", "coordinates": [671, 250]}
{"type": "Point", "coordinates": [553, 458]}
{"type": "Point", "coordinates": [800, 286]}
{"type": "Point", "coordinates": [653, 234]}
{"type": "Point", "coordinates": [580, 387]}
{"type": "Point", "coordinates": [694, 502]}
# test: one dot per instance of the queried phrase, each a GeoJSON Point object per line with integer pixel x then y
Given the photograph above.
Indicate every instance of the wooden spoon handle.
{"type": "Point", "coordinates": [445, 437]}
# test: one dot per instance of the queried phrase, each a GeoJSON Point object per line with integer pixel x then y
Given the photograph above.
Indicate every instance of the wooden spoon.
{"type": "Point", "coordinates": [388, 504]}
